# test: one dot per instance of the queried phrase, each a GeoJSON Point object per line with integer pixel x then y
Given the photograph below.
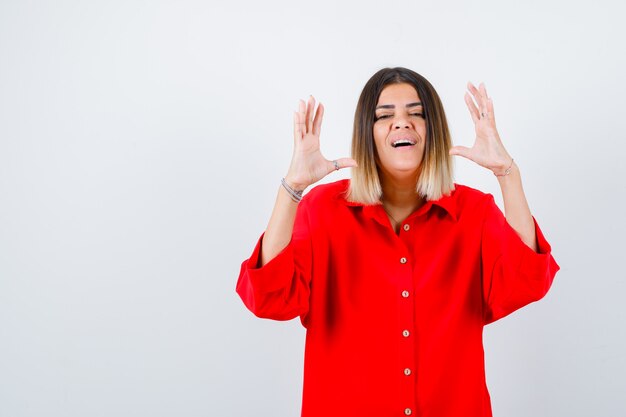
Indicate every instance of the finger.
{"type": "Point", "coordinates": [490, 111]}
{"type": "Point", "coordinates": [317, 122]}
{"type": "Point", "coordinates": [340, 163]}
{"type": "Point", "coordinates": [302, 113]}
{"type": "Point", "coordinates": [475, 93]}
{"type": "Point", "coordinates": [483, 92]}
{"type": "Point", "coordinates": [484, 100]}
{"type": "Point", "coordinates": [310, 107]}
{"type": "Point", "coordinates": [346, 163]}
{"type": "Point", "coordinates": [480, 95]}
{"type": "Point", "coordinates": [472, 108]}
{"type": "Point", "coordinates": [297, 127]}
{"type": "Point", "coordinates": [481, 99]}
{"type": "Point", "coordinates": [461, 151]}
{"type": "Point", "coordinates": [302, 116]}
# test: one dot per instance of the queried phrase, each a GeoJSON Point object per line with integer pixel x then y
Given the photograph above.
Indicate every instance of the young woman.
{"type": "Point", "coordinates": [395, 272]}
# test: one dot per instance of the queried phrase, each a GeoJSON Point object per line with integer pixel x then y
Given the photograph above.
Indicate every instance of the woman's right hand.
{"type": "Point", "coordinates": [308, 165]}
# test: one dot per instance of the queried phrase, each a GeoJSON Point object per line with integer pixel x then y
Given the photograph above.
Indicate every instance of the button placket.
{"type": "Point", "coordinates": [407, 323]}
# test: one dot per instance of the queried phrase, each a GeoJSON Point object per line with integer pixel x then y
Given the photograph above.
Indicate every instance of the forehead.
{"type": "Point", "coordinates": [398, 93]}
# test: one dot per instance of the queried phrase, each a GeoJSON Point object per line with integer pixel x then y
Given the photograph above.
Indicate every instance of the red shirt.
{"type": "Point", "coordinates": [395, 321]}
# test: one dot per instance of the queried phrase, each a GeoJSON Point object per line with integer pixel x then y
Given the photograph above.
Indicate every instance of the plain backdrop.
{"type": "Point", "coordinates": [141, 148]}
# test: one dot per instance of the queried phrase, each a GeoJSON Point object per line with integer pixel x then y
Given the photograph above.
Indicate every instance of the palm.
{"type": "Point", "coordinates": [316, 164]}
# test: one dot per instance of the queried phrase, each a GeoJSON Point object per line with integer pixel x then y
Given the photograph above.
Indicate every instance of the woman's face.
{"type": "Point", "coordinates": [399, 131]}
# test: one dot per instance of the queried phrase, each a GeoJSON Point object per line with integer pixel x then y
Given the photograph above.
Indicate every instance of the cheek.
{"type": "Point", "coordinates": [380, 135]}
{"type": "Point", "coordinates": [421, 130]}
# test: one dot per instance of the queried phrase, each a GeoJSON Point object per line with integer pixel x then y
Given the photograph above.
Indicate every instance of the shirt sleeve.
{"type": "Point", "coordinates": [280, 289]}
{"type": "Point", "coordinates": [513, 275]}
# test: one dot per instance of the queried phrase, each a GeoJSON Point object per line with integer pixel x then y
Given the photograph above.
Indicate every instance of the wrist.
{"type": "Point", "coordinates": [296, 195]}
{"type": "Point", "coordinates": [504, 169]}
{"type": "Point", "coordinates": [296, 185]}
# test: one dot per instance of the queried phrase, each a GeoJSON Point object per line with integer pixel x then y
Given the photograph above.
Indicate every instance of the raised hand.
{"type": "Point", "coordinates": [488, 150]}
{"type": "Point", "coordinates": [308, 165]}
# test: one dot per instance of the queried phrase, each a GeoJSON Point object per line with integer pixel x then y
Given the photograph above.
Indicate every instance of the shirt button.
{"type": "Point", "coordinates": [405, 333]}
{"type": "Point", "coordinates": [402, 260]}
{"type": "Point", "coordinates": [407, 411]}
{"type": "Point", "coordinates": [405, 294]}
{"type": "Point", "coordinates": [407, 371]}
{"type": "Point", "coordinates": [406, 227]}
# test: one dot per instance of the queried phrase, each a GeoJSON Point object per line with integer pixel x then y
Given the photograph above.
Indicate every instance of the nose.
{"type": "Point", "coordinates": [401, 122]}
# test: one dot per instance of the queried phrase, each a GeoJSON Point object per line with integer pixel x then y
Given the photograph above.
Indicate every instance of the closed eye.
{"type": "Point", "coordinates": [386, 116]}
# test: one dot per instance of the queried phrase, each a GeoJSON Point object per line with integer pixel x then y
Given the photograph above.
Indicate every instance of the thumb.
{"type": "Point", "coordinates": [461, 151]}
{"type": "Point", "coordinates": [341, 163]}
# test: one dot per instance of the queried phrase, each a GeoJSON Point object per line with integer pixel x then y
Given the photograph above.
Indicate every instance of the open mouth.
{"type": "Point", "coordinates": [402, 142]}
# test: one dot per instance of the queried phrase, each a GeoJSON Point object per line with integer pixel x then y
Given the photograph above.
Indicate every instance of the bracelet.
{"type": "Point", "coordinates": [296, 196]}
{"type": "Point", "coordinates": [508, 170]}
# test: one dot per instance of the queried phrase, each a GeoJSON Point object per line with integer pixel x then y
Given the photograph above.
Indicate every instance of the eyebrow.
{"type": "Point", "coordinates": [391, 106]}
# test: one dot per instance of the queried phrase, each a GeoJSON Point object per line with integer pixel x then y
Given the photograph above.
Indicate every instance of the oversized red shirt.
{"type": "Point", "coordinates": [395, 321]}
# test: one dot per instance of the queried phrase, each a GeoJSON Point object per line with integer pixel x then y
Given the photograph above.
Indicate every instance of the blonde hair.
{"type": "Point", "coordinates": [436, 170]}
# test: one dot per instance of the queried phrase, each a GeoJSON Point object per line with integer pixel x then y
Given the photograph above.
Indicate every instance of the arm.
{"type": "Point", "coordinates": [517, 266]}
{"type": "Point", "coordinates": [279, 289]}
{"type": "Point", "coordinates": [516, 207]}
{"type": "Point", "coordinates": [274, 281]}
{"type": "Point", "coordinates": [489, 152]}
{"type": "Point", "coordinates": [513, 274]}
{"type": "Point", "coordinates": [308, 166]}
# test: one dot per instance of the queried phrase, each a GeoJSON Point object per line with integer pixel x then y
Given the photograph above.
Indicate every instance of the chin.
{"type": "Point", "coordinates": [401, 170]}
{"type": "Point", "coordinates": [410, 166]}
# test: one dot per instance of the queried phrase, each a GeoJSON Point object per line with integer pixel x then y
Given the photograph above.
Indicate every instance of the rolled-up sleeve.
{"type": "Point", "coordinates": [513, 274]}
{"type": "Point", "coordinates": [279, 290]}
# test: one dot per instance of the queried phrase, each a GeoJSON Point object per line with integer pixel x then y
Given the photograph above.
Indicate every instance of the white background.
{"type": "Point", "coordinates": [141, 148]}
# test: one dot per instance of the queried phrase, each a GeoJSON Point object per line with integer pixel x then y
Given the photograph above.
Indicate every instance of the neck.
{"type": "Point", "coordinates": [400, 193]}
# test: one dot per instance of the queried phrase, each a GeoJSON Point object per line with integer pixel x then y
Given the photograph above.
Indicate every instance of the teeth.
{"type": "Point", "coordinates": [401, 142]}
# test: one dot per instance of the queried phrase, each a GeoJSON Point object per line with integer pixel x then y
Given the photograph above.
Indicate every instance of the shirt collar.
{"type": "Point", "coordinates": [447, 203]}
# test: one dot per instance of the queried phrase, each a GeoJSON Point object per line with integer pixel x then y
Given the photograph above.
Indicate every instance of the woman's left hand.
{"type": "Point", "coordinates": [488, 150]}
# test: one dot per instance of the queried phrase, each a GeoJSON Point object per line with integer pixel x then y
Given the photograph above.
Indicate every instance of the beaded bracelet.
{"type": "Point", "coordinates": [296, 196]}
